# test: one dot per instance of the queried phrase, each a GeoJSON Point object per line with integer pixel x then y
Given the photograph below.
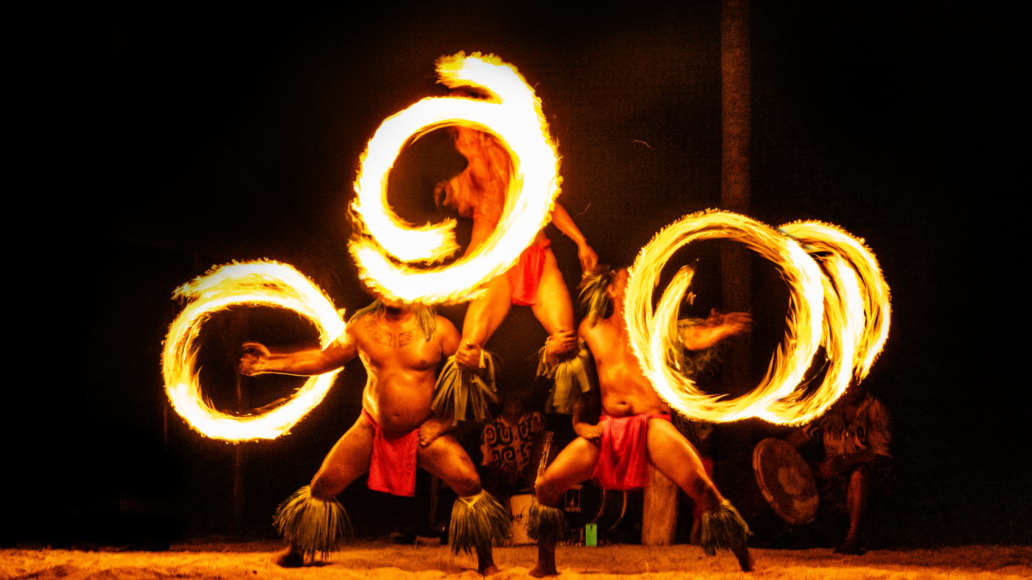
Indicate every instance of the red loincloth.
{"type": "Point", "coordinates": [392, 466]}
{"type": "Point", "coordinates": [525, 276]}
{"type": "Point", "coordinates": [623, 458]}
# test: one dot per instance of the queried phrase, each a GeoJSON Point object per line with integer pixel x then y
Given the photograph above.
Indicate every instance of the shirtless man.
{"type": "Point", "coordinates": [401, 348]}
{"type": "Point", "coordinates": [634, 430]}
{"type": "Point", "coordinates": [479, 193]}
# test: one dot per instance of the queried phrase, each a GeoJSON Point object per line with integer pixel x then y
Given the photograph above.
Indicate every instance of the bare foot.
{"type": "Point", "coordinates": [540, 571]}
{"type": "Point", "coordinates": [850, 546]}
{"type": "Point", "coordinates": [290, 558]}
{"type": "Point", "coordinates": [741, 551]}
{"type": "Point", "coordinates": [488, 570]}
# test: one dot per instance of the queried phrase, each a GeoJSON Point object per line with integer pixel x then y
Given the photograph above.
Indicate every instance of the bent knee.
{"type": "Point", "coordinates": [466, 484]}
{"type": "Point", "coordinates": [325, 486]}
{"type": "Point", "coordinates": [546, 490]}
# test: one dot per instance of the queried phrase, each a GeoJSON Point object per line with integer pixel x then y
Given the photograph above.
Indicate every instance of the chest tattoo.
{"type": "Point", "coordinates": [391, 339]}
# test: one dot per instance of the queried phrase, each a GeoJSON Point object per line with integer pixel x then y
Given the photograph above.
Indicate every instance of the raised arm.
{"type": "Point", "coordinates": [561, 219]}
{"type": "Point", "coordinates": [715, 329]}
{"type": "Point", "coordinates": [257, 359]}
{"type": "Point", "coordinates": [448, 336]}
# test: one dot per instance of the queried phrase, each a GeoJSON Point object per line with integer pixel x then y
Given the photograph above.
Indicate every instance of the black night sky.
{"type": "Point", "coordinates": [206, 137]}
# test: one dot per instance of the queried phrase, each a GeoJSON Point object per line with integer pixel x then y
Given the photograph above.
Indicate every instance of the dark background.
{"type": "Point", "coordinates": [193, 138]}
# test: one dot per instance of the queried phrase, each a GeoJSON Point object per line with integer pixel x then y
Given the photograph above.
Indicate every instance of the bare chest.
{"type": "Point", "coordinates": [404, 347]}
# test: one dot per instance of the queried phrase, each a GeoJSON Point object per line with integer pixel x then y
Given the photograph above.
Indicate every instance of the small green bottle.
{"type": "Point", "coordinates": [591, 534]}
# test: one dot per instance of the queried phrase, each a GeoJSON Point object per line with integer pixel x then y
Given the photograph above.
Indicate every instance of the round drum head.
{"type": "Point", "coordinates": [785, 480]}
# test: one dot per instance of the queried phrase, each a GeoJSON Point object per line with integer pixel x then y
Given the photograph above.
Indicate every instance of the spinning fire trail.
{"type": "Point", "coordinates": [843, 306]}
{"type": "Point", "coordinates": [838, 297]}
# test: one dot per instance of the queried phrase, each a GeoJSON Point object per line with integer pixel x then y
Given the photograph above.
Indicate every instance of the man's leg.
{"type": "Point", "coordinates": [675, 456]}
{"type": "Point", "coordinates": [346, 462]}
{"type": "Point", "coordinates": [553, 307]}
{"type": "Point", "coordinates": [573, 465]}
{"type": "Point", "coordinates": [563, 361]}
{"type": "Point", "coordinates": [487, 311]}
{"type": "Point", "coordinates": [446, 459]}
{"type": "Point", "coordinates": [856, 502]}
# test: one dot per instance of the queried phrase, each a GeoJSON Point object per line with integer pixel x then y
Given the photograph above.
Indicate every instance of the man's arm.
{"type": "Point", "coordinates": [715, 329]}
{"type": "Point", "coordinates": [564, 223]}
{"type": "Point", "coordinates": [448, 337]}
{"type": "Point", "coordinates": [259, 360]}
{"type": "Point", "coordinates": [589, 405]}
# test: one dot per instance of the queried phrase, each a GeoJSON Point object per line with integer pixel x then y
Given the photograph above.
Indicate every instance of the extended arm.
{"type": "Point", "coordinates": [258, 360]}
{"type": "Point", "coordinates": [715, 329]}
{"type": "Point", "coordinates": [561, 219]}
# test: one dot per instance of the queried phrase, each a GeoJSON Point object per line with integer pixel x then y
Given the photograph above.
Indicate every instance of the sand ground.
{"type": "Point", "coordinates": [382, 559]}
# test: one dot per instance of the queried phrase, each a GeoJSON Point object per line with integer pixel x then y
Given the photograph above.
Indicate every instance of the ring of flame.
{"type": "Point", "coordinates": [259, 283]}
{"type": "Point", "coordinates": [875, 294]}
{"type": "Point", "coordinates": [825, 309]}
{"type": "Point", "coordinates": [383, 239]}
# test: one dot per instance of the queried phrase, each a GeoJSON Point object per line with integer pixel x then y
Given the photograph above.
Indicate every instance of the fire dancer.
{"type": "Point", "coordinates": [856, 437]}
{"type": "Point", "coordinates": [401, 348]}
{"type": "Point", "coordinates": [634, 429]}
{"type": "Point", "coordinates": [478, 192]}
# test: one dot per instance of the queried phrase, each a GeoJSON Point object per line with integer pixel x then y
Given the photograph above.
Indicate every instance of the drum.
{"type": "Point", "coordinates": [785, 481]}
{"type": "Point", "coordinates": [780, 496]}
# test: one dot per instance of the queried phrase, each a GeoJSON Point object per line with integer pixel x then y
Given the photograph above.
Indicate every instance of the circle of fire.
{"type": "Point", "coordinates": [259, 283]}
{"type": "Point", "coordinates": [395, 258]}
{"type": "Point", "coordinates": [828, 306]}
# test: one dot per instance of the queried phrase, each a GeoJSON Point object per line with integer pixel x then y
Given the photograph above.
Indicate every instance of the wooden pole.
{"type": "Point", "coordinates": [659, 510]}
{"type": "Point", "coordinates": [736, 274]}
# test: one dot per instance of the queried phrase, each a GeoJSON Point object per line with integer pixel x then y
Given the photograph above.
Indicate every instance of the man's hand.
{"type": "Point", "coordinates": [468, 356]}
{"type": "Point", "coordinates": [730, 323]}
{"type": "Point", "coordinates": [587, 430]}
{"type": "Point", "coordinates": [588, 258]}
{"type": "Point", "coordinates": [559, 343]}
{"type": "Point", "coordinates": [431, 429]}
{"type": "Point", "coordinates": [254, 360]}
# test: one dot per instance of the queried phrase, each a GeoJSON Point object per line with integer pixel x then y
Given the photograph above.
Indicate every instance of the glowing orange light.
{"type": "Point", "coordinates": [826, 308]}
{"type": "Point", "coordinates": [261, 283]}
{"type": "Point", "coordinates": [877, 307]}
{"type": "Point", "coordinates": [514, 116]}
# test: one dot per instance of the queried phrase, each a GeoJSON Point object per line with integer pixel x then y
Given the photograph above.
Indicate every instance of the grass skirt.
{"type": "Point", "coordinates": [312, 525]}
{"type": "Point", "coordinates": [723, 527]}
{"type": "Point", "coordinates": [477, 522]}
{"type": "Point", "coordinates": [569, 379]}
{"type": "Point", "coordinates": [466, 395]}
{"type": "Point", "coordinates": [545, 523]}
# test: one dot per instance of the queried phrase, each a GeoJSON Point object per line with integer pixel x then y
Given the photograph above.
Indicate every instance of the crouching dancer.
{"type": "Point", "coordinates": [634, 430]}
{"type": "Point", "coordinates": [401, 348]}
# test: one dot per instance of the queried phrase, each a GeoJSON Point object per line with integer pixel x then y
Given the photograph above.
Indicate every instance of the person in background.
{"type": "Point", "coordinates": [856, 437]}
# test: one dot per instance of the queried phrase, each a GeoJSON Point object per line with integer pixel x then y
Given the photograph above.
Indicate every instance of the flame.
{"type": "Point", "coordinates": [648, 337]}
{"type": "Point", "coordinates": [875, 292]}
{"type": "Point", "coordinates": [513, 114]}
{"type": "Point", "coordinates": [843, 308]}
{"type": "Point", "coordinates": [264, 283]}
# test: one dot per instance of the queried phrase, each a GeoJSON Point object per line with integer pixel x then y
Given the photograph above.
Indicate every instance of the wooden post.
{"type": "Point", "coordinates": [659, 510]}
{"type": "Point", "coordinates": [735, 176]}
{"type": "Point", "coordinates": [238, 327]}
